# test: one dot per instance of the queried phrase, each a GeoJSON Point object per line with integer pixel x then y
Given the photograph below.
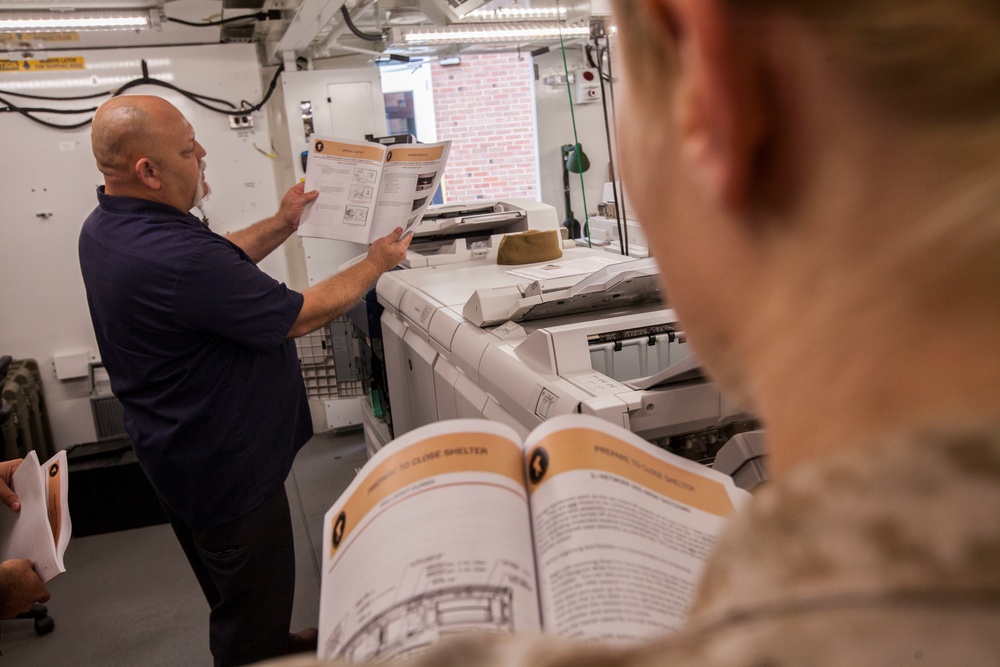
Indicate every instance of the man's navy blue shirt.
{"type": "Point", "coordinates": [193, 335]}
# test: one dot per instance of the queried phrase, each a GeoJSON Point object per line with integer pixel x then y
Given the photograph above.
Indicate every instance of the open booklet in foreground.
{"type": "Point", "coordinates": [366, 189]}
{"type": "Point", "coordinates": [584, 529]}
{"type": "Point", "coordinates": [40, 532]}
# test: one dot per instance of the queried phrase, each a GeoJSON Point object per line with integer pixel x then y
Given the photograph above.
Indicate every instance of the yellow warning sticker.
{"type": "Point", "coordinates": [39, 37]}
{"type": "Point", "coordinates": [47, 65]}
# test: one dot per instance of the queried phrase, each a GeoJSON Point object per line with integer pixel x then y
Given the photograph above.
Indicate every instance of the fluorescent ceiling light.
{"type": "Point", "coordinates": [86, 83]}
{"type": "Point", "coordinates": [125, 19]}
{"type": "Point", "coordinates": [490, 33]}
{"type": "Point", "coordinates": [518, 14]}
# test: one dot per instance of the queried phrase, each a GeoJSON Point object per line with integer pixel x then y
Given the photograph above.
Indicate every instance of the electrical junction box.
{"type": "Point", "coordinates": [241, 121]}
{"type": "Point", "coordinates": [586, 86]}
{"type": "Point", "coordinates": [71, 365]}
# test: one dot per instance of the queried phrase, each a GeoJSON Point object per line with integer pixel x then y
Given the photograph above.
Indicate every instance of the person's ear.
{"type": "Point", "coordinates": [147, 173]}
{"type": "Point", "coordinates": [720, 105]}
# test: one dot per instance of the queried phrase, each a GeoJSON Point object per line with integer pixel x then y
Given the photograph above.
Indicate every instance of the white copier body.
{"type": "Point", "coordinates": [441, 365]}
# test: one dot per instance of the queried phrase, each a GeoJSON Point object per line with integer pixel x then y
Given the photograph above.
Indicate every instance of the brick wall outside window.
{"type": "Point", "coordinates": [484, 105]}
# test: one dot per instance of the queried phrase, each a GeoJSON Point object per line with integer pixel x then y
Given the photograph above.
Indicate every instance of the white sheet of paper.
{"type": "Point", "coordinates": [564, 268]}
{"type": "Point", "coordinates": [28, 533]}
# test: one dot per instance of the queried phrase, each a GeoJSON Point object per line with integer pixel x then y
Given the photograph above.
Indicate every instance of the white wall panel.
{"type": "Point", "coordinates": [555, 128]}
{"type": "Point", "coordinates": [47, 183]}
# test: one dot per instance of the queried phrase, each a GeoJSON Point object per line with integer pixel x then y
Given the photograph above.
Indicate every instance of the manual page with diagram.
{"type": "Point", "coordinates": [583, 530]}
{"type": "Point", "coordinates": [367, 189]}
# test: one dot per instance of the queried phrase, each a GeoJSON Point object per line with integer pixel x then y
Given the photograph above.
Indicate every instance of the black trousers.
{"type": "Point", "coordinates": [246, 568]}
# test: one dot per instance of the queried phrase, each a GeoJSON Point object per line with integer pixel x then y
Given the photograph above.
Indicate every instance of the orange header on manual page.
{"type": "Point", "coordinates": [55, 499]}
{"type": "Point", "coordinates": [575, 449]}
{"type": "Point", "coordinates": [414, 153]}
{"type": "Point", "coordinates": [438, 455]}
{"type": "Point", "coordinates": [374, 152]}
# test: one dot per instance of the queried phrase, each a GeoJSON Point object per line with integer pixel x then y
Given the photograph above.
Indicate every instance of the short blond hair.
{"type": "Point", "coordinates": [926, 60]}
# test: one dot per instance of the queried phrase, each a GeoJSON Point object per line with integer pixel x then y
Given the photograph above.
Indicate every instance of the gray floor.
{"type": "Point", "coordinates": [129, 598]}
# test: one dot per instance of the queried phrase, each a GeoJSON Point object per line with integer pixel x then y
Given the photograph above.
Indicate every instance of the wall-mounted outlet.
{"type": "Point", "coordinates": [241, 121]}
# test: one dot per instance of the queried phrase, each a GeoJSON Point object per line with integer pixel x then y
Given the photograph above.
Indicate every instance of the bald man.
{"type": "Point", "coordinates": [198, 343]}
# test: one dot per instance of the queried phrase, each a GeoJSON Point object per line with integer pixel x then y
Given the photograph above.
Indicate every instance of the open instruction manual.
{"type": "Point", "coordinates": [584, 529]}
{"type": "Point", "coordinates": [40, 532]}
{"type": "Point", "coordinates": [366, 189]}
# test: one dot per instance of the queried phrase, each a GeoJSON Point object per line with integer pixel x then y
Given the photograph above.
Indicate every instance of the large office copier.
{"type": "Point", "coordinates": [465, 337]}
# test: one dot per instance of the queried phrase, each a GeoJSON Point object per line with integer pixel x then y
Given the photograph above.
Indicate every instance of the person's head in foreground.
{"type": "Point", "coordinates": [820, 183]}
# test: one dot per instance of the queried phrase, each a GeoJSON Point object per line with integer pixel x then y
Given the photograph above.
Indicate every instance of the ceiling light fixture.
{"type": "Point", "coordinates": [518, 14]}
{"type": "Point", "coordinates": [487, 33]}
{"type": "Point", "coordinates": [125, 19]}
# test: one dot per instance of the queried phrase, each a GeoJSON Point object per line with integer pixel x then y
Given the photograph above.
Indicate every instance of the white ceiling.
{"type": "Point", "coordinates": [310, 28]}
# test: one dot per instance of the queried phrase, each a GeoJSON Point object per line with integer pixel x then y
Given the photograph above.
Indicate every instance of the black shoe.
{"type": "Point", "coordinates": [303, 641]}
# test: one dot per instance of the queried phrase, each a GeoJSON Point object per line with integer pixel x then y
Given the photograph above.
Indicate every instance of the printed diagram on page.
{"type": "Point", "coordinates": [430, 603]}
